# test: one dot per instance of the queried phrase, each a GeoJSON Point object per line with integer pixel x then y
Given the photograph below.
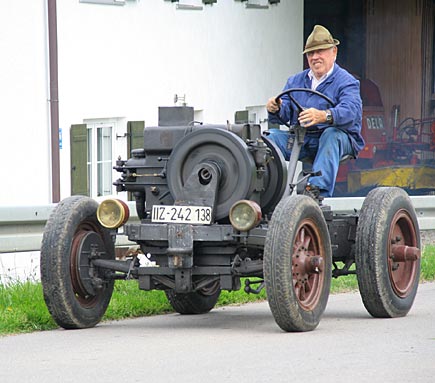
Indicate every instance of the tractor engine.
{"type": "Point", "coordinates": [193, 164]}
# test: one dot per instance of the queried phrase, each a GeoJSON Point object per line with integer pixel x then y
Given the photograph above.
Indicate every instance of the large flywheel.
{"type": "Point", "coordinates": [228, 152]}
{"type": "Point", "coordinates": [276, 173]}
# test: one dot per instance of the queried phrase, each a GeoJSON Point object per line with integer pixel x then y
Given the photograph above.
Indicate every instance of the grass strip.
{"type": "Point", "coordinates": [22, 307]}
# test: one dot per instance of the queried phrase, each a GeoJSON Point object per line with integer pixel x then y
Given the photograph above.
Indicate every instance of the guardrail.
{"type": "Point", "coordinates": [21, 227]}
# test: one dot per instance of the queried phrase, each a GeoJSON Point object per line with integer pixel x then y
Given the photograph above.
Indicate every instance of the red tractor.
{"type": "Point", "coordinates": [402, 155]}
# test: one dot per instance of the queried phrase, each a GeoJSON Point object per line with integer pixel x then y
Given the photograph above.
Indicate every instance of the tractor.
{"type": "Point", "coordinates": [218, 205]}
{"type": "Point", "coordinates": [398, 155]}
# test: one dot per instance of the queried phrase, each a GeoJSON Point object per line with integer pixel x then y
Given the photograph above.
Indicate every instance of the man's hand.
{"type": "Point", "coordinates": [272, 106]}
{"type": "Point", "coordinates": [312, 116]}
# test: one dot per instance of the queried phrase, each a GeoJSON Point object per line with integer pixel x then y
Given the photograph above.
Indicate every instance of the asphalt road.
{"type": "Point", "coordinates": [234, 344]}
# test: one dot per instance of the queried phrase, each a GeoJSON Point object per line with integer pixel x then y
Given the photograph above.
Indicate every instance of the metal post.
{"type": "Point", "coordinates": [54, 100]}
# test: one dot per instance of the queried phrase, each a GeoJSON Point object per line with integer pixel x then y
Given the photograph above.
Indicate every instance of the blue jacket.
{"type": "Point", "coordinates": [342, 88]}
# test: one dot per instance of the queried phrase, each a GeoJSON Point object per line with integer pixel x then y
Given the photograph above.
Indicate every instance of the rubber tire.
{"type": "Point", "coordinates": [372, 250]}
{"type": "Point", "coordinates": [290, 215]}
{"type": "Point", "coordinates": [192, 303]}
{"type": "Point", "coordinates": [67, 308]}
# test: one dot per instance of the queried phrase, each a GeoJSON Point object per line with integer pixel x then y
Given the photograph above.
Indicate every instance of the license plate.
{"type": "Point", "coordinates": [181, 214]}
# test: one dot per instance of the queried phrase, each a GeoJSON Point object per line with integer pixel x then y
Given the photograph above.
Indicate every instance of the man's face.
{"type": "Point", "coordinates": [321, 60]}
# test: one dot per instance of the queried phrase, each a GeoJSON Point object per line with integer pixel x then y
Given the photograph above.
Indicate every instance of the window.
{"type": "Point", "coordinates": [95, 146]}
{"type": "Point", "coordinates": [99, 159]}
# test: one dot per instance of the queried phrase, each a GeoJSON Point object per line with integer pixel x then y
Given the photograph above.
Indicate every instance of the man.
{"type": "Point", "coordinates": [332, 131]}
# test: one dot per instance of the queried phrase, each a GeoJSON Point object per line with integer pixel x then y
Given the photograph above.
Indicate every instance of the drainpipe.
{"type": "Point", "coordinates": [54, 101]}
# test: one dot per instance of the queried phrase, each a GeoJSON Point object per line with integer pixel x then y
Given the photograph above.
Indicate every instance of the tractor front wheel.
{"type": "Point", "coordinates": [76, 293]}
{"type": "Point", "coordinates": [195, 302]}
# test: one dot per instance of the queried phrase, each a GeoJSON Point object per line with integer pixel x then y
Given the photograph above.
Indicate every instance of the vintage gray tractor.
{"type": "Point", "coordinates": [217, 203]}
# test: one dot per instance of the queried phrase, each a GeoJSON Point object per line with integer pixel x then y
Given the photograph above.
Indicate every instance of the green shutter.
{"type": "Point", "coordinates": [134, 136]}
{"type": "Point", "coordinates": [79, 159]}
{"type": "Point", "coordinates": [134, 140]}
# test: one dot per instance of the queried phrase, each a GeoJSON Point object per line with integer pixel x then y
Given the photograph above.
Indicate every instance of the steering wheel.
{"type": "Point", "coordinates": [298, 108]}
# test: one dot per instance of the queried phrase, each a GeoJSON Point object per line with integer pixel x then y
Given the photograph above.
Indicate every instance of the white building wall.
{"type": "Point", "coordinates": [24, 116]}
{"type": "Point", "coordinates": [122, 62]}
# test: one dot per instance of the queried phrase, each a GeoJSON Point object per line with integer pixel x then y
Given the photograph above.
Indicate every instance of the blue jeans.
{"type": "Point", "coordinates": [326, 151]}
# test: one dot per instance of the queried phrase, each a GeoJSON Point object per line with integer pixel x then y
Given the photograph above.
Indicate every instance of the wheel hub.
{"type": "Point", "coordinates": [307, 267]}
{"type": "Point", "coordinates": [306, 264]}
{"type": "Point", "coordinates": [404, 254]}
{"type": "Point", "coordinates": [87, 245]}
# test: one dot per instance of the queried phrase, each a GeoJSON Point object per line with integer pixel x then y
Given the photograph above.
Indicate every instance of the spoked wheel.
{"type": "Point", "coordinates": [197, 302]}
{"type": "Point", "coordinates": [297, 264]}
{"type": "Point", "coordinates": [76, 293]}
{"type": "Point", "coordinates": [387, 253]}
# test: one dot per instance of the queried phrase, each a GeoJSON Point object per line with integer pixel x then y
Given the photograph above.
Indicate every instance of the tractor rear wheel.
{"type": "Point", "coordinates": [297, 264]}
{"type": "Point", "coordinates": [387, 253]}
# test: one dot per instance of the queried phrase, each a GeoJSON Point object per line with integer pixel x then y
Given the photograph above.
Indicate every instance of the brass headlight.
{"type": "Point", "coordinates": [113, 213]}
{"type": "Point", "coordinates": [245, 215]}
